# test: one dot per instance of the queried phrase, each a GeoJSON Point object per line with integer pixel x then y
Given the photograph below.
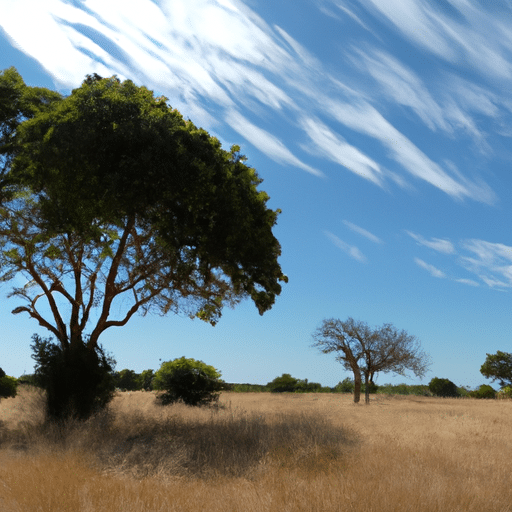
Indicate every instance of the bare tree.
{"type": "Point", "coordinates": [367, 351]}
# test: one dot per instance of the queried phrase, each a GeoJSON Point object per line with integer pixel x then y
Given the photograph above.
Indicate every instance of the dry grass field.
{"type": "Point", "coordinates": [260, 452]}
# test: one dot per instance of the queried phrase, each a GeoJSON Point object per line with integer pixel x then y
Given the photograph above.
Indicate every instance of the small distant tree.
{"type": "Point", "coordinates": [483, 391]}
{"type": "Point", "coordinates": [126, 380]}
{"type": "Point", "coordinates": [498, 367]}
{"type": "Point", "coordinates": [345, 386]}
{"type": "Point", "coordinates": [145, 380]}
{"type": "Point", "coordinates": [366, 351]}
{"type": "Point", "coordinates": [8, 385]}
{"type": "Point", "coordinates": [443, 387]}
{"type": "Point", "coordinates": [308, 387]}
{"type": "Point", "coordinates": [285, 383]}
{"type": "Point", "coordinates": [189, 381]}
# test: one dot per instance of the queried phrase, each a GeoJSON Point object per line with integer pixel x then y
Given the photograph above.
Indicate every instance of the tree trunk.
{"type": "Point", "coordinates": [357, 386]}
{"type": "Point", "coordinates": [366, 389]}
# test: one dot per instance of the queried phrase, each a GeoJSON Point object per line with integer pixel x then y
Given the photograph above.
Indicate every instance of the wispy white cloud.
{"type": "Point", "coordinates": [216, 57]}
{"type": "Point", "coordinates": [491, 262]}
{"type": "Point", "coordinates": [335, 148]}
{"type": "Point", "coordinates": [400, 84]}
{"type": "Point", "coordinates": [266, 142]}
{"type": "Point", "coordinates": [343, 7]}
{"type": "Point", "coordinates": [364, 118]}
{"type": "Point", "coordinates": [438, 244]}
{"type": "Point", "coordinates": [362, 232]}
{"type": "Point", "coordinates": [464, 39]}
{"type": "Point", "coordinates": [351, 250]}
{"type": "Point", "coordinates": [469, 282]}
{"type": "Point", "coordinates": [433, 271]}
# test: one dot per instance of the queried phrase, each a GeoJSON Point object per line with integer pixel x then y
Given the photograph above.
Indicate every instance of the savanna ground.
{"type": "Point", "coordinates": [260, 452]}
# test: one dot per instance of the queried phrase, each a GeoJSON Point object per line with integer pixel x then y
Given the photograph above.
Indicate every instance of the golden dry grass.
{"type": "Point", "coordinates": [261, 452]}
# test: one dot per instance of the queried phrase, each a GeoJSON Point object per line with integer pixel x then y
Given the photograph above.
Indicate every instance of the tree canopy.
{"type": "Point", "coordinates": [367, 351]}
{"type": "Point", "coordinates": [115, 194]}
{"type": "Point", "coordinates": [498, 367]}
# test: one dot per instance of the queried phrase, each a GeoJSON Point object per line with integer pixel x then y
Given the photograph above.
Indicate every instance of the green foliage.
{"type": "Point", "coordinates": [505, 392]}
{"type": "Point", "coordinates": [248, 388]}
{"type": "Point", "coordinates": [187, 380]}
{"type": "Point", "coordinates": [345, 386]}
{"type": "Point", "coordinates": [110, 154]}
{"type": "Point", "coordinates": [484, 391]}
{"type": "Point", "coordinates": [443, 387]}
{"type": "Point", "coordinates": [79, 381]}
{"type": "Point", "coordinates": [126, 380]}
{"type": "Point", "coordinates": [145, 380]}
{"type": "Point", "coordinates": [8, 385]}
{"type": "Point", "coordinates": [303, 386]}
{"type": "Point", "coordinates": [372, 386]}
{"type": "Point", "coordinates": [31, 379]}
{"type": "Point", "coordinates": [285, 383]}
{"type": "Point", "coordinates": [17, 103]}
{"type": "Point", "coordinates": [498, 367]}
{"type": "Point", "coordinates": [463, 391]}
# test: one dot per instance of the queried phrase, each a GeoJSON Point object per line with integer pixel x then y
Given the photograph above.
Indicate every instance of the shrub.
{"type": "Point", "coordinates": [189, 381]}
{"type": "Point", "coordinates": [246, 388]}
{"type": "Point", "coordinates": [345, 386]}
{"type": "Point", "coordinates": [442, 387]}
{"type": "Point", "coordinates": [126, 380]}
{"type": "Point", "coordinates": [308, 387]}
{"type": "Point", "coordinates": [505, 392]}
{"type": "Point", "coordinates": [284, 383]}
{"type": "Point", "coordinates": [484, 391]}
{"type": "Point", "coordinates": [78, 381]}
{"type": "Point", "coordinates": [8, 385]}
{"type": "Point", "coordinates": [372, 386]}
{"type": "Point", "coordinates": [145, 380]}
{"type": "Point", "coordinates": [31, 379]}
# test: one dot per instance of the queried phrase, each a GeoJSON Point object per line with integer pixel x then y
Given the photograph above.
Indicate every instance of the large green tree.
{"type": "Point", "coordinates": [367, 351]}
{"type": "Point", "coordinates": [116, 199]}
{"type": "Point", "coordinates": [498, 367]}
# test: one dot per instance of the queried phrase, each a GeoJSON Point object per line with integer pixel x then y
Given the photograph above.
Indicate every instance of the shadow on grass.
{"type": "Point", "coordinates": [188, 442]}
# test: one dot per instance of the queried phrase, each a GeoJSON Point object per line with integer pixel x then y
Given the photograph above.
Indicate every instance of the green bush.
{"type": "Point", "coordinates": [8, 385]}
{"type": "Point", "coordinates": [443, 387]}
{"type": "Point", "coordinates": [31, 379]}
{"type": "Point", "coordinates": [505, 392]}
{"type": "Point", "coordinates": [126, 380]}
{"type": "Point", "coordinates": [145, 380]}
{"type": "Point", "coordinates": [283, 384]}
{"type": "Point", "coordinates": [248, 388]}
{"type": "Point", "coordinates": [189, 381]}
{"type": "Point", "coordinates": [373, 387]}
{"type": "Point", "coordinates": [79, 382]}
{"type": "Point", "coordinates": [484, 391]}
{"type": "Point", "coordinates": [345, 386]}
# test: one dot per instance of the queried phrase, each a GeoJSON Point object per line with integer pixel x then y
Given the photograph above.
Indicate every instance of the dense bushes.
{"type": "Point", "coordinates": [78, 381]}
{"type": "Point", "coordinates": [484, 391]}
{"type": "Point", "coordinates": [505, 392]}
{"type": "Point", "coordinates": [443, 387]}
{"type": "Point", "coordinates": [8, 385]}
{"type": "Point", "coordinates": [189, 381]}
{"type": "Point", "coordinates": [287, 383]}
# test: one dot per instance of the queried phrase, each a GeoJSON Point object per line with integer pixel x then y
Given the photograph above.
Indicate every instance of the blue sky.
{"type": "Point", "coordinates": [381, 128]}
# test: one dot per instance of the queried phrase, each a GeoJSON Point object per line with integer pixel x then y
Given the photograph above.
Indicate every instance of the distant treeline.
{"type": "Point", "coordinates": [128, 380]}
